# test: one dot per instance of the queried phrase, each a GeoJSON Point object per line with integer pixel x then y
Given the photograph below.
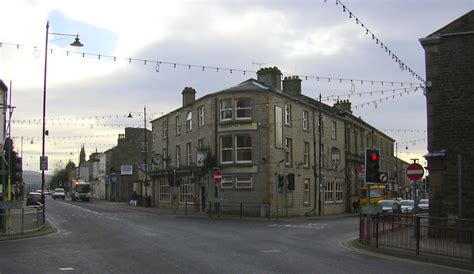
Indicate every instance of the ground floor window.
{"type": "Point", "coordinates": [186, 191]}
{"type": "Point", "coordinates": [339, 192]}
{"type": "Point", "coordinates": [227, 182]}
{"type": "Point", "coordinates": [306, 191]}
{"type": "Point", "coordinates": [243, 181]}
{"type": "Point", "coordinates": [328, 192]}
{"type": "Point", "coordinates": [230, 182]}
{"type": "Point", "coordinates": [164, 190]}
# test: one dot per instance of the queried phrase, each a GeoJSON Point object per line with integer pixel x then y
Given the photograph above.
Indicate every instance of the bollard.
{"type": "Point", "coordinates": [417, 232]}
{"type": "Point", "coordinates": [472, 248]}
{"type": "Point", "coordinates": [210, 210]}
{"type": "Point", "coordinates": [377, 230]}
{"type": "Point", "coordinates": [22, 220]}
{"type": "Point", "coordinates": [240, 210]}
{"type": "Point", "coordinates": [37, 217]}
{"type": "Point", "coordinates": [186, 208]}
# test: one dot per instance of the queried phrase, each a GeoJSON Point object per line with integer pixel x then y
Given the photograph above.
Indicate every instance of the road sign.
{"type": "Point", "coordinates": [217, 176]}
{"type": "Point", "coordinates": [43, 162]}
{"type": "Point", "coordinates": [383, 177]}
{"type": "Point", "coordinates": [361, 169]}
{"type": "Point", "coordinates": [415, 172]}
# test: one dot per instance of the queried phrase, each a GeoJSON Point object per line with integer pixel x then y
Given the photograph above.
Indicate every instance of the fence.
{"type": "Point", "coordinates": [26, 219]}
{"type": "Point", "coordinates": [216, 209]}
{"type": "Point", "coordinates": [451, 238]}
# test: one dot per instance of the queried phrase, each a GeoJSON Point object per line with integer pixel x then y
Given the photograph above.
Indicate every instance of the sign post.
{"type": "Point", "coordinates": [415, 172]}
{"type": "Point", "coordinates": [217, 180]}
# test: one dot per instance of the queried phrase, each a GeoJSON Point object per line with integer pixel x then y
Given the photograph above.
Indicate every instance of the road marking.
{"type": "Point", "coordinates": [305, 226]}
{"type": "Point", "coordinates": [86, 209]}
{"type": "Point", "coordinates": [345, 244]}
{"type": "Point", "coordinates": [66, 268]}
{"type": "Point", "coordinates": [270, 251]}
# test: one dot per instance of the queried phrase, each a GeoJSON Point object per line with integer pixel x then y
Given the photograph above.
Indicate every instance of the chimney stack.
{"type": "Point", "coordinates": [271, 77]}
{"type": "Point", "coordinates": [343, 105]}
{"type": "Point", "coordinates": [292, 85]}
{"type": "Point", "coordinates": [189, 95]}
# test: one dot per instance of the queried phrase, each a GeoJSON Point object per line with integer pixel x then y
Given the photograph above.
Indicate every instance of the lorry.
{"type": "Point", "coordinates": [80, 190]}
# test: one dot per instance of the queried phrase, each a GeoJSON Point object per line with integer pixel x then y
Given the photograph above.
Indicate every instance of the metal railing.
{"type": "Point", "coordinates": [442, 237]}
{"type": "Point", "coordinates": [238, 209]}
{"type": "Point", "coordinates": [19, 221]}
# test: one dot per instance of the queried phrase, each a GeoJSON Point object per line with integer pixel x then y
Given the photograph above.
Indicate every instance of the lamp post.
{"type": "Point", "coordinates": [145, 159]}
{"type": "Point", "coordinates": [43, 159]}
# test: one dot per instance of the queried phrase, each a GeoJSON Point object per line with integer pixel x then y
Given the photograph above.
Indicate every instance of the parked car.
{"type": "Point", "coordinates": [407, 206]}
{"type": "Point", "coordinates": [59, 193]}
{"type": "Point", "coordinates": [424, 205]}
{"type": "Point", "coordinates": [388, 206]}
{"type": "Point", "coordinates": [34, 198]}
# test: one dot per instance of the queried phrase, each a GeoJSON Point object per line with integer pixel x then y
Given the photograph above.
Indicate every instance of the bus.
{"type": "Point", "coordinates": [377, 193]}
{"type": "Point", "coordinates": [81, 190]}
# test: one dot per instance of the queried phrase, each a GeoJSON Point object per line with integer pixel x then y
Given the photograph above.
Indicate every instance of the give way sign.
{"type": "Point", "coordinates": [415, 172]}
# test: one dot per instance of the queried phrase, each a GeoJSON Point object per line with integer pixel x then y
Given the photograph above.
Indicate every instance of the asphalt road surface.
{"type": "Point", "coordinates": [97, 237]}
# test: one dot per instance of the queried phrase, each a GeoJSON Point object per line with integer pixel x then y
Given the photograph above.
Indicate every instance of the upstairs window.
{"type": "Point", "coordinates": [226, 149]}
{"type": "Point", "coordinates": [243, 149]}
{"type": "Point", "coordinates": [189, 121]}
{"type": "Point", "coordinates": [189, 155]}
{"type": "Point", "coordinates": [226, 109]}
{"type": "Point", "coordinates": [178, 126]}
{"type": "Point", "coordinates": [178, 156]}
{"type": "Point", "coordinates": [304, 120]}
{"type": "Point", "coordinates": [287, 114]}
{"type": "Point", "coordinates": [306, 155]}
{"type": "Point", "coordinates": [243, 109]}
{"type": "Point", "coordinates": [288, 152]}
{"type": "Point", "coordinates": [333, 130]}
{"type": "Point", "coordinates": [164, 126]}
{"type": "Point", "coordinates": [201, 114]}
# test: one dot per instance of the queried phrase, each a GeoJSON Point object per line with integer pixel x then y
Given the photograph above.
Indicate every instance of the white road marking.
{"type": "Point", "coordinates": [66, 268]}
{"type": "Point", "coordinates": [304, 226]}
{"type": "Point", "coordinates": [270, 251]}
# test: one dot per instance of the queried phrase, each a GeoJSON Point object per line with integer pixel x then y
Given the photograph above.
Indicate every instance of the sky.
{"type": "Point", "coordinates": [90, 95]}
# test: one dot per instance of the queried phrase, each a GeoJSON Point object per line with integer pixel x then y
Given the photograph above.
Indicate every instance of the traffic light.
{"type": "Point", "coordinates": [372, 165]}
{"type": "Point", "coordinates": [17, 169]}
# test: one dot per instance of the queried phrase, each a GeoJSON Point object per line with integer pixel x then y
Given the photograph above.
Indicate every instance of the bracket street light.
{"type": "Point", "coordinates": [43, 159]}
{"type": "Point", "coordinates": [145, 181]}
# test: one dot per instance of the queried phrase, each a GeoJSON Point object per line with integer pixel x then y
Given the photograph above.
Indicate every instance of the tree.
{"type": "Point", "coordinates": [60, 177]}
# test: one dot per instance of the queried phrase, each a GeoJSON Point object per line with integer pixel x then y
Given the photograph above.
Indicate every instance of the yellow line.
{"type": "Point", "coordinates": [344, 244]}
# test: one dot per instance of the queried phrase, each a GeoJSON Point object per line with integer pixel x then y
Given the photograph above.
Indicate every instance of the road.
{"type": "Point", "coordinates": [98, 237]}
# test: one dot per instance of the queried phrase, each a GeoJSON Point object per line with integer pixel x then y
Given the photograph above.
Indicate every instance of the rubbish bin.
{"type": "Point", "coordinates": [147, 201]}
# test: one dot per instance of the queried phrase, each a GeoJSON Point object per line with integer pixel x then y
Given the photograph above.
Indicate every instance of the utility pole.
{"type": "Point", "coordinates": [145, 201]}
{"type": "Point", "coordinates": [320, 179]}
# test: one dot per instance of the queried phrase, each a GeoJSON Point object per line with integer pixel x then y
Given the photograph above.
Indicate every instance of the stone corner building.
{"type": "Point", "coordinates": [449, 54]}
{"type": "Point", "coordinates": [281, 153]}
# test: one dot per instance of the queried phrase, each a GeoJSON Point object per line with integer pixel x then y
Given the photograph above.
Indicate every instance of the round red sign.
{"type": "Point", "coordinates": [415, 172]}
{"type": "Point", "coordinates": [217, 176]}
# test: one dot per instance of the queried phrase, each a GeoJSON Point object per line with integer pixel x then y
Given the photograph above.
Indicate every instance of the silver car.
{"type": "Point", "coordinates": [424, 205]}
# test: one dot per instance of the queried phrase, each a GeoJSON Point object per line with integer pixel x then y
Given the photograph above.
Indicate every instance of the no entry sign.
{"type": "Point", "coordinates": [415, 172]}
{"type": "Point", "coordinates": [217, 176]}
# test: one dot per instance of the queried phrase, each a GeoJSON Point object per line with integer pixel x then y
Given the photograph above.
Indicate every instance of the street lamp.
{"type": "Point", "coordinates": [43, 159]}
{"type": "Point", "coordinates": [145, 181]}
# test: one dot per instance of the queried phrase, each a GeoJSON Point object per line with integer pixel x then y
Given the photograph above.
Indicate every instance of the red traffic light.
{"type": "Point", "coordinates": [374, 157]}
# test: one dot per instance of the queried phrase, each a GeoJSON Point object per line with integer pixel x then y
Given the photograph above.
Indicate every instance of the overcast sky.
{"type": "Point", "coordinates": [306, 38]}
